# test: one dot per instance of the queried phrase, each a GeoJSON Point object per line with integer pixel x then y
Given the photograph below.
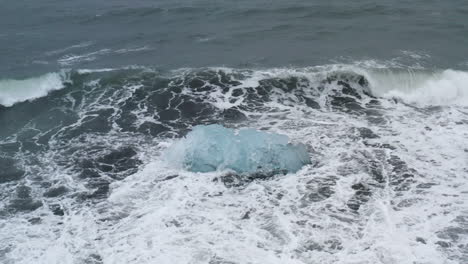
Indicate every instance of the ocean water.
{"type": "Point", "coordinates": [94, 95]}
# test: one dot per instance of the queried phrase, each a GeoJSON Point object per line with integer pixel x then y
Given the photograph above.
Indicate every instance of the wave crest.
{"type": "Point", "coordinates": [418, 87]}
{"type": "Point", "coordinates": [448, 87]}
{"type": "Point", "coordinates": [16, 91]}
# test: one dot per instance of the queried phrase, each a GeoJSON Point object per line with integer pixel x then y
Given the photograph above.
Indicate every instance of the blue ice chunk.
{"type": "Point", "coordinates": [216, 148]}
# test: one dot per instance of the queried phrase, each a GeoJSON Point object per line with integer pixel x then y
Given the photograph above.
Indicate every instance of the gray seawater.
{"type": "Point", "coordinates": [94, 94]}
{"type": "Point", "coordinates": [41, 37]}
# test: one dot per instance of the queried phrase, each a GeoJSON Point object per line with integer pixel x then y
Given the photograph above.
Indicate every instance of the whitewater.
{"type": "Point", "coordinates": [95, 165]}
{"type": "Point", "coordinates": [409, 83]}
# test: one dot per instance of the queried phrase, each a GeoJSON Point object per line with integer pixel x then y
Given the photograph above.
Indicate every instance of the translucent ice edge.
{"type": "Point", "coordinates": [216, 148]}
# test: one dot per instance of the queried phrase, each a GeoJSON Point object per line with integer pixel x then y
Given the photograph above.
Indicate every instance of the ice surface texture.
{"type": "Point", "coordinates": [216, 148]}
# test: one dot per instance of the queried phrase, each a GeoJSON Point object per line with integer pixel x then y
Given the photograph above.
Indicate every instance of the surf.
{"type": "Point", "coordinates": [14, 91]}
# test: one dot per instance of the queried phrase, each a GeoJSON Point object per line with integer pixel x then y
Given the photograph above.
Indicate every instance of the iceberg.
{"type": "Point", "coordinates": [216, 148]}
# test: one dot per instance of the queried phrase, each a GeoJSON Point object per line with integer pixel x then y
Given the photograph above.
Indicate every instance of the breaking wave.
{"type": "Point", "coordinates": [448, 87]}
{"type": "Point", "coordinates": [413, 86]}
{"type": "Point", "coordinates": [16, 91]}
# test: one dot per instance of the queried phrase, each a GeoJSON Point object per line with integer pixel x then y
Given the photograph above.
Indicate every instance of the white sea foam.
{"type": "Point", "coordinates": [15, 91]}
{"type": "Point", "coordinates": [411, 85]}
{"type": "Point", "coordinates": [87, 71]}
{"type": "Point", "coordinates": [136, 49]}
{"type": "Point", "coordinates": [70, 59]}
{"type": "Point", "coordinates": [166, 215]}
{"type": "Point", "coordinates": [193, 219]}
{"type": "Point", "coordinates": [415, 54]}
{"type": "Point", "coordinates": [414, 86]}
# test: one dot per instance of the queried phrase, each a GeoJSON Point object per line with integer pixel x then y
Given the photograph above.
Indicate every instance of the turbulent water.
{"type": "Point", "coordinates": [95, 97]}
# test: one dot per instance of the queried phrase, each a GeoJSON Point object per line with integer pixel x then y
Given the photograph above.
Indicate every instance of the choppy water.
{"type": "Point", "coordinates": [93, 94]}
